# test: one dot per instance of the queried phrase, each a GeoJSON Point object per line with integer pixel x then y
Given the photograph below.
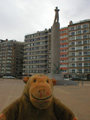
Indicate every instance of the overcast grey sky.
{"type": "Point", "coordinates": [21, 17]}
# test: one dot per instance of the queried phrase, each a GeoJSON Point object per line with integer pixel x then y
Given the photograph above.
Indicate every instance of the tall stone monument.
{"type": "Point", "coordinates": [55, 48]}
{"type": "Point", "coordinates": [55, 44]}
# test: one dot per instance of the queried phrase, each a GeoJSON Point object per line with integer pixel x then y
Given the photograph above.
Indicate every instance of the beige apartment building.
{"type": "Point", "coordinates": [37, 52]}
{"type": "Point", "coordinates": [79, 48]}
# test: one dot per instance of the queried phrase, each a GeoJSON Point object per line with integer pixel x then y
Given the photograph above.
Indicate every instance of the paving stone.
{"type": "Point", "coordinates": [77, 98]}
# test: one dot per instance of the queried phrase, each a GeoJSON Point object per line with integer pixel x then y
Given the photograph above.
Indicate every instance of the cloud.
{"type": "Point", "coordinates": [21, 17]}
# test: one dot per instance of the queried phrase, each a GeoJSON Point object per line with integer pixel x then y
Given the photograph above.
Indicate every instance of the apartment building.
{"type": "Point", "coordinates": [79, 48]}
{"type": "Point", "coordinates": [1, 41]}
{"type": "Point", "coordinates": [63, 49]}
{"type": "Point", "coordinates": [37, 52]}
{"type": "Point", "coordinates": [74, 50]}
{"type": "Point", "coordinates": [11, 57]}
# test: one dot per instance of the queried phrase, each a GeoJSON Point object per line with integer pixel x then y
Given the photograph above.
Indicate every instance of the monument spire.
{"type": "Point", "coordinates": [55, 48]}
{"type": "Point", "coordinates": [56, 15]}
{"type": "Point", "coordinates": [55, 43]}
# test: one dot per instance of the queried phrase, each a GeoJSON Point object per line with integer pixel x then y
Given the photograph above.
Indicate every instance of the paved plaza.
{"type": "Point", "coordinates": [77, 98]}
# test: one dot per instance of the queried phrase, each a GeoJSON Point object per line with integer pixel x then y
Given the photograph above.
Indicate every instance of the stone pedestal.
{"type": "Point", "coordinates": [57, 77]}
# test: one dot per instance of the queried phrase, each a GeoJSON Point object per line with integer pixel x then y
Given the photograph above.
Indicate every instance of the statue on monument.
{"type": "Point", "coordinates": [55, 45]}
{"type": "Point", "coordinates": [57, 70]}
{"type": "Point", "coordinates": [56, 15]}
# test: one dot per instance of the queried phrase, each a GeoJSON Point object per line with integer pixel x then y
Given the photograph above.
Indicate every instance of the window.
{"type": "Point", "coordinates": [87, 53]}
{"type": "Point", "coordinates": [9, 61]}
{"type": "Point", "coordinates": [63, 65]}
{"type": "Point", "coordinates": [8, 71]}
{"type": "Point", "coordinates": [86, 47]}
{"type": "Point", "coordinates": [63, 36]}
{"type": "Point", "coordinates": [79, 64]}
{"type": "Point", "coordinates": [79, 43]}
{"type": "Point", "coordinates": [64, 41]}
{"type": "Point", "coordinates": [79, 32]}
{"type": "Point", "coordinates": [86, 41]}
{"type": "Point", "coordinates": [79, 37]}
{"type": "Point", "coordinates": [72, 49]}
{"type": "Point", "coordinates": [30, 66]}
{"type": "Point", "coordinates": [64, 31]}
{"type": "Point", "coordinates": [41, 34]}
{"type": "Point", "coordinates": [79, 70]}
{"type": "Point", "coordinates": [34, 66]}
{"type": "Point", "coordinates": [31, 44]}
{"type": "Point", "coordinates": [78, 53]}
{"type": "Point", "coordinates": [9, 57]}
{"type": "Point", "coordinates": [79, 59]}
{"type": "Point", "coordinates": [72, 28]}
{"type": "Point", "coordinates": [86, 31]}
{"type": "Point", "coordinates": [85, 70]}
{"type": "Point", "coordinates": [72, 59]}
{"type": "Point", "coordinates": [64, 71]}
{"type": "Point", "coordinates": [72, 54]}
{"type": "Point", "coordinates": [63, 55]}
{"type": "Point", "coordinates": [8, 68]}
{"type": "Point", "coordinates": [71, 33]}
{"type": "Point", "coordinates": [72, 65]}
{"type": "Point", "coordinates": [72, 38]}
{"type": "Point", "coordinates": [63, 46]}
{"type": "Point", "coordinates": [85, 25]}
{"type": "Point", "coordinates": [73, 70]}
{"type": "Point", "coordinates": [78, 27]}
{"type": "Point", "coordinates": [35, 35]}
{"type": "Point", "coordinates": [86, 58]}
{"type": "Point", "coordinates": [63, 60]}
{"type": "Point", "coordinates": [85, 36]}
{"type": "Point", "coordinates": [86, 64]}
{"type": "Point", "coordinates": [79, 48]}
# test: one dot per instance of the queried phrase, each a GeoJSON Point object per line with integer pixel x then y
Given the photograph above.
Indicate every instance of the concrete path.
{"type": "Point", "coordinates": [77, 98]}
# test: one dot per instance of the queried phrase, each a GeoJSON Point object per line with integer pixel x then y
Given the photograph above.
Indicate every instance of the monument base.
{"type": "Point", "coordinates": [60, 79]}
{"type": "Point", "coordinates": [57, 77]}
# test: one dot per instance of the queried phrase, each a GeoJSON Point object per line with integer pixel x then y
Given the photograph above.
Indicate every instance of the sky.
{"type": "Point", "coordinates": [21, 17]}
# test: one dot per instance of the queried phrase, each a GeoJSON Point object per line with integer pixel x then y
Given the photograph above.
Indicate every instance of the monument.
{"type": "Point", "coordinates": [55, 43]}
{"type": "Point", "coordinates": [55, 48]}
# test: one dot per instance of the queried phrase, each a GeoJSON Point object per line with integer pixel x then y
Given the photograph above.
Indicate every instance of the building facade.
{"type": "Point", "coordinates": [37, 52]}
{"type": "Point", "coordinates": [64, 50]}
{"type": "Point", "coordinates": [11, 57]}
{"type": "Point", "coordinates": [74, 50]}
{"type": "Point", "coordinates": [79, 48]}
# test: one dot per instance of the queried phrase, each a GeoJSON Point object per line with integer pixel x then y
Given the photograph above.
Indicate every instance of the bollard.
{"type": "Point", "coordinates": [65, 84]}
{"type": "Point", "coordinates": [82, 83]}
{"type": "Point", "coordinates": [78, 82]}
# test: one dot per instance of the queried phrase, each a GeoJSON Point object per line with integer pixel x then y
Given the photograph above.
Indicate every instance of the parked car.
{"type": "Point", "coordinates": [76, 78]}
{"type": "Point", "coordinates": [1, 76]}
{"type": "Point", "coordinates": [19, 77]}
{"type": "Point", "coordinates": [8, 77]}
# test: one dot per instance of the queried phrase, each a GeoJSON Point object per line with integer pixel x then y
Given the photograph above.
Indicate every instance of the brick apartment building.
{"type": "Point", "coordinates": [64, 49]}
{"type": "Point", "coordinates": [11, 57]}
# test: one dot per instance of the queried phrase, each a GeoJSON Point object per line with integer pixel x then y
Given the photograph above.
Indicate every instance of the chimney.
{"type": "Point", "coordinates": [6, 39]}
{"type": "Point", "coordinates": [71, 22]}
